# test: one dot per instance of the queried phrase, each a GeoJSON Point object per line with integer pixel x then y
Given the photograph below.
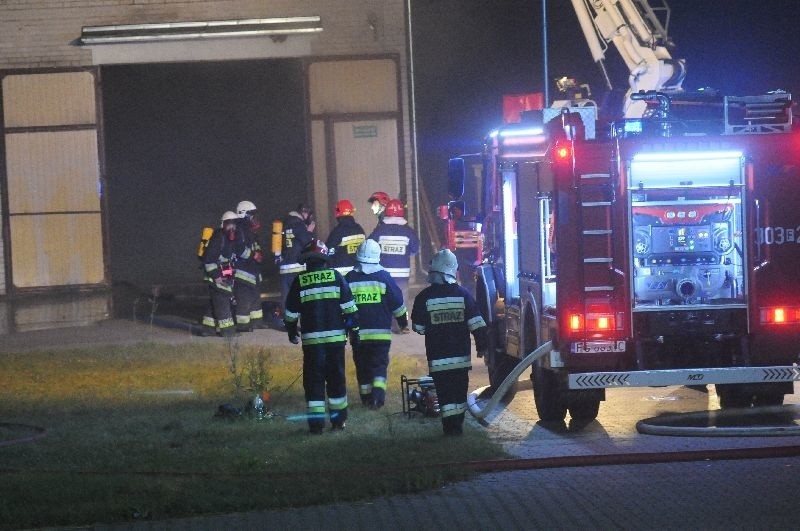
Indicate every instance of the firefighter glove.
{"type": "Point", "coordinates": [291, 331]}
{"type": "Point", "coordinates": [402, 323]}
{"type": "Point", "coordinates": [355, 340]}
{"type": "Point", "coordinates": [278, 259]}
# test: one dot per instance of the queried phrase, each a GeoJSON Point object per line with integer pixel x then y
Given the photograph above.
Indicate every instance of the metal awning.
{"type": "Point", "coordinates": [277, 28]}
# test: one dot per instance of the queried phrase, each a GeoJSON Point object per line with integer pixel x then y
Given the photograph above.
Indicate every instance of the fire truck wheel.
{"type": "Point", "coordinates": [768, 399]}
{"type": "Point", "coordinates": [499, 366]}
{"type": "Point", "coordinates": [732, 396]}
{"type": "Point", "coordinates": [547, 396]}
{"type": "Point", "coordinates": [584, 409]}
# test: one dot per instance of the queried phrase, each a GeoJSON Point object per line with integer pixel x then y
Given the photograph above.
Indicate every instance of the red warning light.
{"type": "Point", "coordinates": [563, 152]}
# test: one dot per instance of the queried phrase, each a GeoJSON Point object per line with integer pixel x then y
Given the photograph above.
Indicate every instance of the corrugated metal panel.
{"type": "Point", "coordinates": [353, 86]}
{"type": "Point", "coordinates": [63, 98]}
{"type": "Point", "coordinates": [52, 171]}
{"type": "Point", "coordinates": [57, 250]}
{"type": "Point", "coordinates": [366, 159]}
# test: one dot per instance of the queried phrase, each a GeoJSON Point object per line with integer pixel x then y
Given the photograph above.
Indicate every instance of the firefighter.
{"type": "Point", "coordinates": [322, 302]}
{"type": "Point", "coordinates": [298, 231]}
{"type": "Point", "coordinates": [345, 238]}
{"type": "Point", "coordinates": [445, 313]}
{"type": "Point", "coordinates": [398, 243]}
{"type": "Point", "coordinates": [379, 300]}
{"type": "Point", "coordinates": [377, 203]}
{"type": "Point", "coordinates": [249, 313]}
{"type": "Point", "coordinates": [219, 261]}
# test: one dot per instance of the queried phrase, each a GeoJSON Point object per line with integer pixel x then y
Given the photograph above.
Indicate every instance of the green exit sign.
{"type": "Point", "coordinates": [365, 131]}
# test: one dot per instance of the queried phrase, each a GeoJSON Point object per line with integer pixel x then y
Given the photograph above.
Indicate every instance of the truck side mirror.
{"type": "Point", "coordinates": [456, 175]}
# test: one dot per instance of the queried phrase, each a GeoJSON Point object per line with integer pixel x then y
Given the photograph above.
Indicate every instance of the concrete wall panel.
{"type": "Point", "coordinates": [353, 86]}
{"type": "Point", "coordinates": [56, 250]}
{"type": "Point", "coordinates": [52, 171]}
{"type": "Point", "coordinates": [64, 98]}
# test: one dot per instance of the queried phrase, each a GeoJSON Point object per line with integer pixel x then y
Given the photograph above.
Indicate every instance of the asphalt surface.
{"type": "Point", "coordinates": [602, 475]}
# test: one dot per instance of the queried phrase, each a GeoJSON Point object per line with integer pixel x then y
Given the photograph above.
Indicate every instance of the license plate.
{"type": "Point", "coordinates": [585, 347]}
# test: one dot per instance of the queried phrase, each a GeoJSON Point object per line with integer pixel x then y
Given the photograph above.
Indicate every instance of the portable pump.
{"type": "Point", "coordinates": [419, 396]}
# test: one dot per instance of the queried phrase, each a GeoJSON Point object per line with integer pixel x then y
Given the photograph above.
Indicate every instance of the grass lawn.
{"type": "Point", "coordinates": [131, 433]}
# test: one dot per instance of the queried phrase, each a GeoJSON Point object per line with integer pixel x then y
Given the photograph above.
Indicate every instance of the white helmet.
{"type": "Point", "coordinates": [244, 207]}
{"type": "Point", "coordinates": [369, 252]}
{"type": "Point", "coordinates": [445, 262]}
{"type": "Point", "coordinates": [227, 216]}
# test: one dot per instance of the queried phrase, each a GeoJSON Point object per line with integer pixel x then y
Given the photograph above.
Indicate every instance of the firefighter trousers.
{"type": "Point", "coordinates": [219, 314]}
{"type": "Point", "coordinates": [451, 391]}
{"type": "Point", "coordinates": [248, 303]}
{"type": "Point", "coordinates": [371, 359]}
{"type": "Point", "coordinates": [324, 374]}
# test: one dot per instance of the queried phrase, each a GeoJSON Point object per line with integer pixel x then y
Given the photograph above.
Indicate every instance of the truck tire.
{"type": "Point", "coordinates": [584, 408]}
{"type": "Point", "coordinates": [549, 400]}
{"type": "Point", "coordinates": [500, 365]}
{"type": "Point", "coordinates": [732, 396]}
{"type": "Point", "coordinates": [768, 399]}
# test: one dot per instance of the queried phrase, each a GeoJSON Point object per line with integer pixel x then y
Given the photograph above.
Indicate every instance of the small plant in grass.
{"type": "Point", "coordinates": [250, 376]}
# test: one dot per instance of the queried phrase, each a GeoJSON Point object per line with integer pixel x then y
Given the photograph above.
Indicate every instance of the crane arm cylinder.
{"type": "Point", "coordinates": [584, 15]}
{"type": "Point", "coordinates": [636, 22]}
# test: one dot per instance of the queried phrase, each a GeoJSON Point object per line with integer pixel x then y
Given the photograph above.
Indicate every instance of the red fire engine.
{"type": "Point", "coordinates": [663, 253]}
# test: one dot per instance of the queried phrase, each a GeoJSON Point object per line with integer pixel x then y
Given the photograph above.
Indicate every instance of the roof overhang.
{"type": "Point", "coordinates": [276, 28]}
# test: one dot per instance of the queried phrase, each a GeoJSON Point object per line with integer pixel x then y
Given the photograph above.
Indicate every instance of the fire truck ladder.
{"type": "Point", "coordinates": [595, 197]}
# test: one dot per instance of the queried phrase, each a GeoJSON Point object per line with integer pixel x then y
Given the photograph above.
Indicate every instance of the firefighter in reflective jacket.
{"type": "Point", "coordinates": [322, 302]}
{"type": "Point", "coordinates": [379, 300]}
{"type": "Point", "coordinates": [445, 313]}
{"type": "Point", "coordinates": [398, 243]}
{"type": "Point", "coordinates": [219, 260]}
{"type": "Point", "coordinates": [298, 229]}
{"type": "Point", "coordinates": [345, 238]}
{"type": "Point", "coordinates": [249, 313]}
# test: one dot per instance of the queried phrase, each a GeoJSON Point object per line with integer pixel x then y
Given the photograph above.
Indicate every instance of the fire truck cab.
{"type": "Point", "coordinates": [663, 253]}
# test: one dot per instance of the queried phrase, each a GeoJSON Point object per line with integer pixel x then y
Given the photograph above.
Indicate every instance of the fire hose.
{"type": "Point", "coordinates": [511, 379]}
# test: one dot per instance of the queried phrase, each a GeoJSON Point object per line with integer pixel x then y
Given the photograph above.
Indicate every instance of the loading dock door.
{"type": "Point", "coordinates": [53, 178]}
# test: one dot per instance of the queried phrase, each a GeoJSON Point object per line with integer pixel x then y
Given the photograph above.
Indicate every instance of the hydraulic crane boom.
{"type": "Point", "coordinates": [633, 27]}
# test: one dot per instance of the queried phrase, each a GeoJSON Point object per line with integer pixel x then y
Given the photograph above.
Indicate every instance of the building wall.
{"type": "Point", "coordinates": [41, 34]}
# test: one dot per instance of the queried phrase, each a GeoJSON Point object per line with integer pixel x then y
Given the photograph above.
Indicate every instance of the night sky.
{"type": "Point", "coordinates": [468, 53]}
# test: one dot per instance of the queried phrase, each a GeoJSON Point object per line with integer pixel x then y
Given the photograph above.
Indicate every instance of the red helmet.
{"type": "Point", "coordinates": [380, 197]}
{"type": "Point", "coordinates": [344, 208]}
{"type": "Point", "coordinates": [314, 249]}
{"type": "Point", "coordinates": [394, 208]}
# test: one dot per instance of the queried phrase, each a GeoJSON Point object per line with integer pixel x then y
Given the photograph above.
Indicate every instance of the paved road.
{"type": "Point", "coordinates": [718, 494]}
{"type": "Point", "coordinates": [725, 495]}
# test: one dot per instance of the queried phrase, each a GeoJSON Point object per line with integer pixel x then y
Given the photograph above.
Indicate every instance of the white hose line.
{"type": "Point", "coordinates": [511, 379]}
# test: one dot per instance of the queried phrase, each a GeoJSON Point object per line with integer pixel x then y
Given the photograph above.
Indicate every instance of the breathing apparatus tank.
{"type": "Point", "coordinates": [205, 236]}
{"type": "Point", "coordinates": [277, 237]}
